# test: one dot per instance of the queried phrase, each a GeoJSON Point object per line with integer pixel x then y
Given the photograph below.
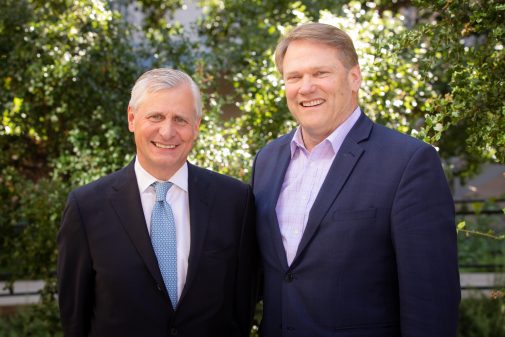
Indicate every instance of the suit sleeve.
{"type": "Point", "coordinates": [247, 270]}
{"type": "Point", "coordinates": [424, 238]}
{"type": "Point", "coordinates": [75, 273]}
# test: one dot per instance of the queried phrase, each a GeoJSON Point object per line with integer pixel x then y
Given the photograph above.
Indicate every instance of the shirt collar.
{"type": "Point", "coordinates": [145, 180]}
{"type": "Point", "coordinates": [336, 138]}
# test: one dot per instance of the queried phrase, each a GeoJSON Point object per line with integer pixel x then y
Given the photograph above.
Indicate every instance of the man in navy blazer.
{"type": "Point", "coordinates": [109, 279]}
{"type": "Point", "coordinates": [355, 222]}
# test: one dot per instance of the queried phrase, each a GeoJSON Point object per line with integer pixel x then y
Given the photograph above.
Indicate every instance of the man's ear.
{"type": "Point", "coordinates": [354, 78]}
{"type": "Point", "coordinates": [131, 118]}
{"type": "Point", "coordinates": [197, 127]}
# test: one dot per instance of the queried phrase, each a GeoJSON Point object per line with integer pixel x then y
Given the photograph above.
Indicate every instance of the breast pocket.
{"type": "Point", "coordinates": [357, 232]}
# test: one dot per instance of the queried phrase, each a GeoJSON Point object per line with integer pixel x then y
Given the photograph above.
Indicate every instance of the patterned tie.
{"type": "Point", "coordinates": [163, 238]}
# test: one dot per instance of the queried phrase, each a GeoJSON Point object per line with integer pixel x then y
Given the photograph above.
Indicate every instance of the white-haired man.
{"type": "Point", "coordinates": [161, 247]}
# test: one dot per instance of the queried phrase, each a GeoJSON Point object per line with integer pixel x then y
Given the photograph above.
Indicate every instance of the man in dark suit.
{"type": "Point", "coordinates": [116, 275]}
{"type": "Point", "coordinates": [355, 221]}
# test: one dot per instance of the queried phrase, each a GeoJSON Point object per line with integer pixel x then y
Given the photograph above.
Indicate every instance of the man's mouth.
{"type": "Point", "coordinates": [164, 146]}
{"type": "Point", "coordinates": [314, 102]}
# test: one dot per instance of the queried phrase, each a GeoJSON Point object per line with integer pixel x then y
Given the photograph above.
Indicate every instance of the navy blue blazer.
{"type": "Point", "coordinates": [378, 256]}
{"type": "Point", "coordinates": [109, 282]}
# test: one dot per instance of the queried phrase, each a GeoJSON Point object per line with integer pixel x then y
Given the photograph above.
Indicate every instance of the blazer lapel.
{"type": "Point", "coordinates": [340, 170]}
{"type": "Point", "coordinates": [125, 200]}
{"type": "Point", "coordinates": [200, 198]}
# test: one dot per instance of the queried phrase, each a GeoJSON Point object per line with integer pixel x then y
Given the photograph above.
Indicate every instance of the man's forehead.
{"type": "Point", "coordinates": [168, 100]}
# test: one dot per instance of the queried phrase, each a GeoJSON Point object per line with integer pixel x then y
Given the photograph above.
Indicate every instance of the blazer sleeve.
{"type": "Point", "coordinates": [247, 270]}
{"type": "Point", "coordinates": [74, 272]}
{"type": "Point", "coordinates": [425, 242]}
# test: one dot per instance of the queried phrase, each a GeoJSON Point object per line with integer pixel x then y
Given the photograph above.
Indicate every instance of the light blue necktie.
{"type": "Point", "coordinates": [163, 238]}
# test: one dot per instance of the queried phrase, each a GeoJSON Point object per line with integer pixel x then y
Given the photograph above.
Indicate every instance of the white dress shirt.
{"type": "Point", "coordinates": [178, 198]}
{"type": "Point", "coordinates": [303, 180]}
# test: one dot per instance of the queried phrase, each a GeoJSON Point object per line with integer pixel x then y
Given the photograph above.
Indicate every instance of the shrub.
{"type": "Point", "coordinates": [482, 317]}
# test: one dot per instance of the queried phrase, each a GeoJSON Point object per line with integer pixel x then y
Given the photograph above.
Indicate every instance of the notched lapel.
{"type": "Point", "coordinates": [125, 200]}
{"type": "Point", "coordinates": [200, 202]}
{"type": "Point", "coordinates": [346, 159]}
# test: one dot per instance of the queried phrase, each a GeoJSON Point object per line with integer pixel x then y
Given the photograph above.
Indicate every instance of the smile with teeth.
{"type": "Point", "coordinates": [312, 103]}
{"type": "Point", "coordinates": [164, 146]}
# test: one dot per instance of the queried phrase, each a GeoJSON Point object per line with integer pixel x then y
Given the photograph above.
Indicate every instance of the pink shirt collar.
{"type": "Point", "coordinates": [335, 139]}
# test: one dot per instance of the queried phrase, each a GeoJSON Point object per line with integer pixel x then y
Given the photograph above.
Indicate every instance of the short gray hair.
{"type": "Point", "coordinates": [160, 79]}
{"type": "Point", "coordinates": [323, 33]}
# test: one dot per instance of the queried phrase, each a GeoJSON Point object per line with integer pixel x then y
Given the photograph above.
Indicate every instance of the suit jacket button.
{"type": "Point", "coordinates": [289, 277]}
{"type": "Point", "coordinates": [174, 332]}
{"type": "Point", "coordinates": [158, 286]}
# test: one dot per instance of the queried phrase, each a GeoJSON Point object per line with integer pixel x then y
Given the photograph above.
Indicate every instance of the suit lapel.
{"type": "Point", "coordinates": [125, 200]}
{"type": "Point", "coordinates": [200, 200]}
{"type": "Point", "coordinates": [340, 170]}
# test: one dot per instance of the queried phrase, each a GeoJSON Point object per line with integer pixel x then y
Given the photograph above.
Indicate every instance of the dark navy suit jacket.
{"type": "Point", "coordinates": [378, 257]}
{"type": "Point", "coordinates": [109, 281]}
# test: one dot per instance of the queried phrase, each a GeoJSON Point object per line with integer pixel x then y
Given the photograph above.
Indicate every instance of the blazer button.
{"type": "Point", "coordinates": [158, 286]}
{"type": "Point", "coordinates": [174, 332]}
{"type": "Point", "coordinates": [289, 277]}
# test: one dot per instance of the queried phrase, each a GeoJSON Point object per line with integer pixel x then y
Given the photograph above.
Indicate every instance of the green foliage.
{"type": "Point", "coordinates": [58, 57]}
{"type": "Point", "coordinates": [66, 68]}
{"type": "Point", "coordinates": [464, 50]}
{"type": "Point", "coordinates": [34, 321]}
{"type": "Point", "coordinates": [481, 236]}
{"type": "Point", "coordinates": [32, 255]}
{"type": "Point", "coordinates": [476, 249]}
{"type": "Point", "coordinates": [482, 317]}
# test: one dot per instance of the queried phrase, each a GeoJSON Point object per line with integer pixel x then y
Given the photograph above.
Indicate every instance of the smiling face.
{"type": "Point", "coordinates": [320, 92]}
{"type": "Point", "coordinates": [165, 126]}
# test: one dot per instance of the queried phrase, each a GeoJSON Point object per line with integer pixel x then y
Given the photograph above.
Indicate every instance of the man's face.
{"type": "Point", "coordinates": [165, 126]}
{"type": "Point", "coordinates": [320, 92]}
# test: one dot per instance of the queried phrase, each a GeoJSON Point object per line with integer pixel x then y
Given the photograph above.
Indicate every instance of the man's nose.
{"type": "Point", "coordinates": [307, 85]}
{"type": "Point", "coordinates": [167, 129]}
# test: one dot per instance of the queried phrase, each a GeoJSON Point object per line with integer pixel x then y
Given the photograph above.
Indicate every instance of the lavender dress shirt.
{"type": "Point", "coordinates": [303, 180]}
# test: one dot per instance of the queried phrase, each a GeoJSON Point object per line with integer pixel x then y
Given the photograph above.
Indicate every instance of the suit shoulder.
{"type": "Point", "coordinates": [392, 138]}
{"type": "Point", "coordinates": [218, 178]}
{"type": "Point", "coordinates": [275, 145]}
{"type": "Point", "coordinates": [99, 185]}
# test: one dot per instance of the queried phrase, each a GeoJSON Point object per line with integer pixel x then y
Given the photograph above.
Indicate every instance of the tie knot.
{"type": "Point", "coordinates": [162, 189]}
